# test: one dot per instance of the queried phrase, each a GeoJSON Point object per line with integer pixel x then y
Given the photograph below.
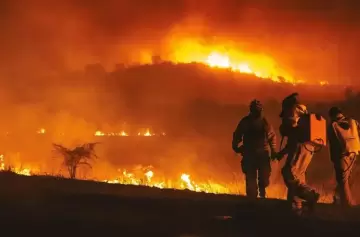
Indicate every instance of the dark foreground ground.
{"type": "Point", "coordinates": [45, 206]}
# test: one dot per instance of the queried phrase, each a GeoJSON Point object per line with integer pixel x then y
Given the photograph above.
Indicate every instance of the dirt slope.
{"type": "Point", "coordinates": [49, 206]}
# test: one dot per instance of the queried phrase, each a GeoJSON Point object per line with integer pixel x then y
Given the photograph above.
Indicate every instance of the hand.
{"type": "Point", "coordinates": [238, 150]}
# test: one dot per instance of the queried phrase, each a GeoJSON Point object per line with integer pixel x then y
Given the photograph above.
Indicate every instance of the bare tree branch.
{"type": "Point", "coordinates": [80, 155]}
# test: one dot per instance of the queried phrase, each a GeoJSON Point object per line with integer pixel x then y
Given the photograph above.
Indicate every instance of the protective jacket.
{"type": "Point", "coordinates": [256, 134]}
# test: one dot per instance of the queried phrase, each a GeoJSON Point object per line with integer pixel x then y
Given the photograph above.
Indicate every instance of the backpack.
{"type": "Point", "coordinates": [312, 129]}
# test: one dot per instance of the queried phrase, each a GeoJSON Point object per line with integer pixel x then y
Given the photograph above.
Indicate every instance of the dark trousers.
{"type": "Point", "coordinates": [257, 170]}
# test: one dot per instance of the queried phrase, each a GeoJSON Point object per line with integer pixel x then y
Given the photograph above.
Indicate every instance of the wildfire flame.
{"type": "Point", "coordinates": [124, 134]}
{"type": "Point", "coordinates": [147, 133]}
{"type": "Point", "coordinates": [224, 55]}
{"type": "Point", "coordinates": [41, 131]}
{"type": "Point", "coordinates": [99, 133]}
{"type": "Point", "coordinates": [184, 182]}
{"type": "Point", "coordinates": [218, 60]}
{"type": "Point", "coordinates": [2, 163]}
{"type": "Point", "coordinates": [324, 83]}
{"type": "Point", "coordinates": [186, 48]}
{"type": "Point", "coordinates": [17, 170]}
{"type": "Point", "coordinates": [148, 178]}
{"type": "Point", "coordinates": [149, 175]}
{"type": "Point", "coordinates": [223, 61]}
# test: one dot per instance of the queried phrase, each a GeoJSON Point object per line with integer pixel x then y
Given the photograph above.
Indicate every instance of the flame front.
{"type": "Point", "coordinates": [223, 61]}
{"type": "Point", "coordinates": [149, 178]}
{"type": "Point", "coordinates": [17, 170]}
{"type": "Point", "coordinates": [220, 53]}
{"type": "Point", "coordinates": [2, 163]}
{"type": "Point", "coordinates": [41, 131]}
{"type": "Point", "coordinates": [226, 55]}
{"type": "Point", "coordinates": [149, 175]}
{"type": "Point", "coordinates": [218, 60]}
{"type": "Point", "coordinates": [147, 133]}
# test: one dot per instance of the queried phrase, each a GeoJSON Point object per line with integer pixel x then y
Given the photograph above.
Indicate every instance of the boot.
{"type": "Point", "coordinates": [298, 212]}
{"type": "Point", "coordinates": [297, 206]}
{"type": "Point", "coordinates": [262, 193]}
{"type": "Point", "coordinates": [311, 202]}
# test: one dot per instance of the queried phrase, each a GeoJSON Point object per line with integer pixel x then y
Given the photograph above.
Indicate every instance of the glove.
{"type": "Point", "coordinates": [280, 155]}
{"type": "Point", "coordinates": [274, 156]}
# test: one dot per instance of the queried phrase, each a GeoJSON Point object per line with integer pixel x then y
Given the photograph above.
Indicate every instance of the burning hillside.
{"type": "Point", "coordinates": [190, 50]}
{"type": "Point", "coordinates": [195, 146]}
{"type": "Point", "coordinates": [147, 176]}
{"type": "Point", "coordinates": [144, 132]}
{"type": "Point", "coordinates": [248, 37]}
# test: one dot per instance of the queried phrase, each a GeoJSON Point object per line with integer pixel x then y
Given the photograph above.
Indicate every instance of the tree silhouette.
{"type": "Point", "coordinates": [73, 158]}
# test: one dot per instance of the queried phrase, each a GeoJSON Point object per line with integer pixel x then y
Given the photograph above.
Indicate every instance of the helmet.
{"type": "Point", "coordinates": [289, 102]}
{"type": "Point", "coordinates": [334, 111]}
{"type": "Point", "coordinates": [256, 106]}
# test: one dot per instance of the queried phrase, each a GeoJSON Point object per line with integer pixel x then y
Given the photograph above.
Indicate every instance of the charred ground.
{"type": "Point", "coordinates": [46, 205]}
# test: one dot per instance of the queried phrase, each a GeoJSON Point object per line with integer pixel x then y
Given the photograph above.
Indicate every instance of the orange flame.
{"type": "Point", "coordinates": [147, 133]}
{"type": "Point", "coordinates": [225, 55]}
{"type": "Point", "coordinates": [41, 131]}
{"type": "Point", "coordinates": [148, 178]}
{"type": "Point", "coordinates": [222, 54]}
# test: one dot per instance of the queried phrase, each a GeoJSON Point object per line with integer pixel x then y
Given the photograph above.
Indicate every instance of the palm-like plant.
{"type": "Point", "coordinates": [73, 158]}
